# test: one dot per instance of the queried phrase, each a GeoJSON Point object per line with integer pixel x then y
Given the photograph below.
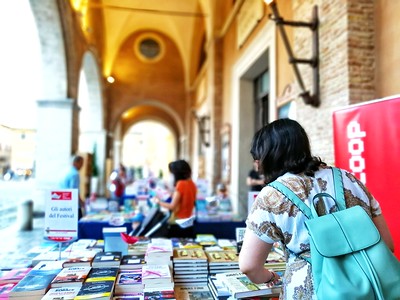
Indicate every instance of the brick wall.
{"type": "Point", "coordinates": [346, 53]}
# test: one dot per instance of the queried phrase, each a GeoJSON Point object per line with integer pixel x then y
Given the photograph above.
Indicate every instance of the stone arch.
{"type": "Point", "coordinates": [91, 118]}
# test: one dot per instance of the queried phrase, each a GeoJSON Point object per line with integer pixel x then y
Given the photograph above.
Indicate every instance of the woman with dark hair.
{"type": "Point", "coordinates": [282, 150]}
{"type": "Point", "coordinates": [183, 198]}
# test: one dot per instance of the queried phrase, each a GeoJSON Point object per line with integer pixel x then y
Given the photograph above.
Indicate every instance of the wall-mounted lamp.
{"type": "Point", "coordinates": [313, 99]}
{"type": "Point", "coordinates": [203, 122]}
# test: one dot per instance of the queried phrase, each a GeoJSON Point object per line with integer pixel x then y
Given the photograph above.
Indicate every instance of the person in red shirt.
{"type": "Point", "coordinates": [183, 198]}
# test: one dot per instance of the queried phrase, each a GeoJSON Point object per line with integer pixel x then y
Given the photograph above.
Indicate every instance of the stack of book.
{"type": "Point", "coordinates": [140, 247]}
{"type": "Point", "coordinates": [190, 266]}
{"type": "Point", "coordinates": [107, 259]}
{"type": "Point", "coordinates": [185, 243]}
{"type": "Point", "coordinates": [99, 285]}
{"type": "Point", "coordinates": [129, 281]}
{"type": "Point", "coordinates": [157, 278]}
{"type": "Point", "coordinates": [62, 293]}
{"type": "Point", "coordinates": [222, 261]}
{"type": "Point", "coordinates": [217, 288]}
{"type": "Point", "coordinates": [199, 291]}
{"type": "Point", "coordinates": [131, 261]}
{"type": "Point", "coordinates": [206, 240]}
{"type": "Point", "coordinates": [72, 276]}
{"type": "Point", "coordinates": [240, 286]}
{"type": "Point", "coordinates": [9, 279]}
{"type": "Point", "coordinates": [37, 282]}
{"type": "Point", "coordinates": [159, 251]}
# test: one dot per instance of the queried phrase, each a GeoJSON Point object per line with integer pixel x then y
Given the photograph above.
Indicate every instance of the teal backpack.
{"type": "Point", "coordinates": [348, 257]}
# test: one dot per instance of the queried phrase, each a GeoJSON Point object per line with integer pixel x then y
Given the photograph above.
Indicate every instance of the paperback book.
{"type": "Point", "coordinates": [62, 293]}
{"type": "Point", "coordinates": [196, 292]}
{"type": "Point", "coordinates": [129, 281]}
{"type": "Point", "coordinates": [153, 275]}
{"type": "Point", "coordinates": [5, 289]}
{"type": "Point", "coordinates": [240, 286]}
{"type": "Point", "coordinates": [38, 280]}
{"type": "Point", "coordinates": [80, 258]}
{"type": "Point", "coordinates": [98, 290]}
{"type": "Point", "coordinates": [189, 256]}
{"type": "Point", "coordinates": [14, 275]}
{"type": "Point", "coordinates": [130, 296]}
{"type": "Point", "coordinates": [102, 274]}
{"type": "Point", "coordinates": [132, 261]}
{"type": "Point", "coordinates": [72, 276]}
{"type": "Point", "coordinates": [107, 259]}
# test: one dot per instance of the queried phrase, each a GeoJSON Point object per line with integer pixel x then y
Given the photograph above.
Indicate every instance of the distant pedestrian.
{"type": "Point", "coordinates": [71, 180]}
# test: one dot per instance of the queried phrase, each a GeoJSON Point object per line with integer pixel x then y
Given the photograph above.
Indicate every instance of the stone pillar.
{"type": "Point", "coordinates": [53, 145]}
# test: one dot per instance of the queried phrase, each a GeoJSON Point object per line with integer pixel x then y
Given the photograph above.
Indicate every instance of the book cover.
{"type": "Point", "coordinates": [72, 276]}
{"type": "Point", "coordinates": [217, 288]}
{"type": "Point", "coordinates": [240, 286]}
{"type": "Point", "coordinates": [159, 295]}
{"type": "Point", "coordinates": [185, 243]}
{"type": "Point", "coordinates": [5, 289]}
{"type": "Point", "coordinates": [205, 239]}
{"type": "Point", "coordinates": [189, 255]}
{"type": "Point", "coordinates": [156, 274]}
{"type": "Point", "coordinates": [99, 290]}
{"type": "Point", "coordinates": [222, 258]}
{"type": "Point", "coordinates": [103, 274]}
{"type": "Point", "coordinates": [78, 258]}
{"type": "Point", "coordinates": [132, 261]}
{"type": "Point", "coordinates": [32, 285]}
{"type": "Point", "coordinates": [130, 296]}
{"type": "Point", "coordinates": [14, 275]}
{"type": "Point", "coordinates": [107, 259]}
{"type": "Point", "coordinates": [62, 293]}
{"type": "Point", "coordinates": [195, 292]}
{"type": "Point", "coordinates": [129, 281]}
{"type": "Point", "coordinates": [38, 280]}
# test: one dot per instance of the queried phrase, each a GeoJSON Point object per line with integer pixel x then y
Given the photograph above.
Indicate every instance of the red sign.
{"type": "Point", "coordinates": [367, 143]}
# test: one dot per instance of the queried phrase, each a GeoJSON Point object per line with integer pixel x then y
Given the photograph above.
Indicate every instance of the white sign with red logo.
{"type": "Point", "coordinates": [61, 216]}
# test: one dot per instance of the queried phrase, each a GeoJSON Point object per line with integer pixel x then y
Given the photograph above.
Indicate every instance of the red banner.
{"type": "Point", "coordinates": [367, 143]}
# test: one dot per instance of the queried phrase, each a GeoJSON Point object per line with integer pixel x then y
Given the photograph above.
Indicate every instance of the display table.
{"type": "Point", "coordinates": [92, 228]}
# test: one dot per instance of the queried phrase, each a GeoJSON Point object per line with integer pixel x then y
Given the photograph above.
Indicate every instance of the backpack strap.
{"type": "Point", "coordinates": [339, 190]}
{"type": "Point", "coordinates": [292, 197]}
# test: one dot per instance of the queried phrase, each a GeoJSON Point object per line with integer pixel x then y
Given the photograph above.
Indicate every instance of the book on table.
{"type": "Point", "coordinates": [107, 259]}
{"type": "Point", "coordinates": [130, 296]}
{"type": "Point", "coordinates": [98, 290]}
{"type": "Point", "coordinates": [5, 289]}
{"type": "Point", "coordinates": [131, 261]}
{"type": "Point", "coordinates": [38, 280]}
{"type": "Point", "coordinates": [129, 281]}
{"type": "Point", "coordinates": [217, 288]}
{"type": "Point", "coordinates": [102, 274]}
{"type": "Point", "coordinates": [78, 258]}
{"type": "Point", "coordinates": [189, 256]}
{"type": "Point", "coordinates": [14, 275]}
{"type": "Point", "coordinates": [62, 293]}
{"type": "Point", "coordinates": [200, 291]}
{"type": "Point", "coordinates": [240, 286]}
{"type": "Point", "coordinates": [160, 294]}
{"type": "Point", "coordinates": [71, 276]}
{"type": "Point", "coordinates": [153, 275]}
{"type": "Point", "coordinates": [159, 251]}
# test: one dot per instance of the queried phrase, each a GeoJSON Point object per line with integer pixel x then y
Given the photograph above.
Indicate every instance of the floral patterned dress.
{"type": "Point", "coordinates": [274, 218]}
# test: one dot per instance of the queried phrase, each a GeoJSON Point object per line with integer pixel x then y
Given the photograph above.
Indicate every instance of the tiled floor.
{"type": "Point", "coordinates": [15, 243]}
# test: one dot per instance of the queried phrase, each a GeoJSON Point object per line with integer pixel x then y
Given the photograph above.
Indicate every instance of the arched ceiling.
{"type": "Point", "coordinates": [176, 19]}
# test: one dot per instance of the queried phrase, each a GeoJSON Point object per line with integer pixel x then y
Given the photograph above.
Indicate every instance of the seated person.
{"type": "Point", "coordinates": [224, 200]}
